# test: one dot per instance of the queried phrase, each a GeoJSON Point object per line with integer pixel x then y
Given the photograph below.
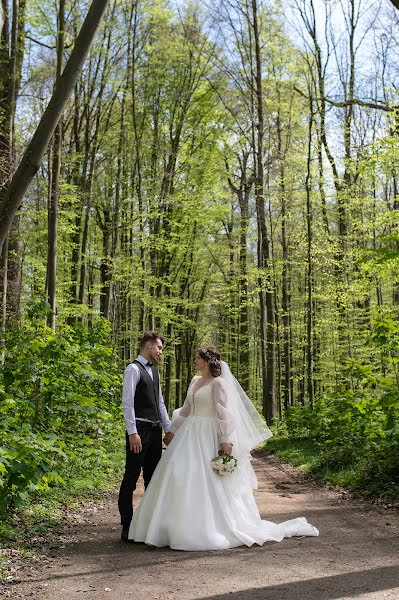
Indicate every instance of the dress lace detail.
{"type": "Point", "coordinates": [208, 399]}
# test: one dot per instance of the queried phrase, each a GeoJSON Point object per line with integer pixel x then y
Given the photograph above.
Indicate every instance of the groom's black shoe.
{"type": "Point", "coordinates": [125, 535]}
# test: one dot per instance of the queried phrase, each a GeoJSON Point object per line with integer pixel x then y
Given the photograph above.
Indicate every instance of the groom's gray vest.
{"type": "Point", "coordinates": [146, 398]}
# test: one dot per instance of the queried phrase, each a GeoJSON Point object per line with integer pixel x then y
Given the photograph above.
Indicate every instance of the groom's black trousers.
{"type": "Point", "coordinates": [147, 459]}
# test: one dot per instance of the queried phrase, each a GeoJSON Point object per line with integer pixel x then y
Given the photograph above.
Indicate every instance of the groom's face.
{"type": "Point", "coordinates": [155, 350]}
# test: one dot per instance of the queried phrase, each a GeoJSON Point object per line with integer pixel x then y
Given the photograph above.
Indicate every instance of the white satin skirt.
{"type": "Point", "coordinates": [187, 506]}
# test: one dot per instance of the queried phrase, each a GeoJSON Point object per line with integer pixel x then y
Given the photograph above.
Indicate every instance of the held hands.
{"type": "Point", "coordinates": [225, 448]}
{"type": "Point", "coordinates": [135, 443]}
{"type": "Point", "coordinates": [168, 438]}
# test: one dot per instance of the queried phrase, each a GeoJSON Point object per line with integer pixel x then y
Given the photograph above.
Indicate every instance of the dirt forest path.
{"type": "Point", "coordinates": [356, 555]}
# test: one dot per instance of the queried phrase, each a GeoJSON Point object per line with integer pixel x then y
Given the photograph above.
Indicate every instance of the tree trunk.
{"type": "Point", "coordinates": [243, 350]}
{"type": "Point", "coordinates": [242, 191]}
{"type": "Point", "coordinates": [309, 270]}
{"type": "Point", "coordinates": [55, 183]}
{"type": "Point", "coordinates": [2, 18]}
{"type": "Point", "coordinates": [168, 367]}
{"type": "Point", "coordinates": [83, 264]}
{"type": "Point", "coordinates": [116, 207]}
{"type": "Point", "coordinates": [3, 280]}
{"type": "Point", "coordinates": [266, 296]}
{"type": "Point", "coordinates": [105, 225]}
{"type": "Point", "coordinates": [285, 293]}
{"type": "Point", "coordinates": [11, 57]}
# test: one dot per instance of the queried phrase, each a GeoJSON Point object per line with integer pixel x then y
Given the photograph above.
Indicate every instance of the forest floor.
{"type": "Point", "coordinates": [356, 555]}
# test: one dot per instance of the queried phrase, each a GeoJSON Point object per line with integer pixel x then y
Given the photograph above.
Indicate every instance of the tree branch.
{"type": "Point", "coordinates": [39, 43]}
{"type": "Point", "coordinates": [353, 101]}
{"type": "Point", "coordinates": [363, 103]}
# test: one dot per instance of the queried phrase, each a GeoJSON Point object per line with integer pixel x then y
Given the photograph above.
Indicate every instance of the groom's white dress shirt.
{"type": "Point", "coordinates": [130, 381]}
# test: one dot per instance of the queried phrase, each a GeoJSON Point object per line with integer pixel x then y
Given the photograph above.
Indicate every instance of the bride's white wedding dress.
{"type": "Point", "coordinates": [188, 506]}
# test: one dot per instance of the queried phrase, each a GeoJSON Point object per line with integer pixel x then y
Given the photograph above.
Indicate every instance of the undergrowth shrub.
{"type": "Point", "coordinates": [59, 403]}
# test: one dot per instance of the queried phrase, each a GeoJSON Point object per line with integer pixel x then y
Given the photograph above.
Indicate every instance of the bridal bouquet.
{"type": "Point", "coordinates": [224, 463]}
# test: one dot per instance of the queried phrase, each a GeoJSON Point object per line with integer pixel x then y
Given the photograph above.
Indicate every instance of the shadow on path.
{"type": "Point", "coordinates": [345, 585]}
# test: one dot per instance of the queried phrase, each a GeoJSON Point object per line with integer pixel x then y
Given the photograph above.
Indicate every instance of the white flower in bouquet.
{"type": "Point", "coordinates": [224, 464]}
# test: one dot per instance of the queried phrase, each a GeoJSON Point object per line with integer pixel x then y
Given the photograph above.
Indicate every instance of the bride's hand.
{"type": "Point", "coordinates": [225, 448]}
{"type": "Point", "coordinates": [168, 437]}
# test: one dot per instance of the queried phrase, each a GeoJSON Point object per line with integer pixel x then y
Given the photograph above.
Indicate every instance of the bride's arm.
{"type": "Point", "coordinates": [180, 415]}
{"type": "Point", "coordinates": [224, 415]}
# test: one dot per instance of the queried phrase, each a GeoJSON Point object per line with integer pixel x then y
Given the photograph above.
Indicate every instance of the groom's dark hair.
{"type": "Point", "coordinates": [150, 336]}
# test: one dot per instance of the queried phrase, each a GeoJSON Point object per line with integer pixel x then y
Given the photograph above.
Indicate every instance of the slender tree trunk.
{"type": "Point", "coordinates": [11, 57]}
{"type": "Point", "coordinates": [231, 346]}
{"type": "Point", "coordinates": [119, 187]}
{"type": "Point", "coordinates": [83, 264]}
{"type": "Point", "coordinates": [285, 293]}
{"type": "Point", "coordinates": [168, 367]}
{"type": "Point", "coordinates": [395, 291]}
{"type": "Point", "coordinates": [243, 354]}
{"type": "Point", "coordinates": [2, 18]}
{"type": "Point", "coordinates": [309, 269]}
{"type": "Point", "coordinates": [266, 296]}
{"type": "Point", "coordinates": [55, 182]}
{"type": "Point", "coordinates": [13, 292]}
{"type": "Point", "coordinates": [178, 363]}
{"type": "Point", "coordinates": [105, 265]}
{"type": "Point", "coordinates": [242, 192]}
{"type": "Point", "coordinates": [3, 280]}
{"type": "Point", "coordinates": [137, 178]}
{"type": "Point", "coordinates": [76, 178]}
{"type": "Point", "coordinates": [321, 185]}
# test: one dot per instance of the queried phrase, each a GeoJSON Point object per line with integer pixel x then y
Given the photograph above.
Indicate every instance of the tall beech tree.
{"type": "Point", "coordinates": [55, 179]}
{"type": "Point", "coordinates": [11, 59]}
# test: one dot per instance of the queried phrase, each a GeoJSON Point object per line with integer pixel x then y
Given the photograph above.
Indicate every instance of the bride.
{"type": "Point", "coordinates": [187, 505]}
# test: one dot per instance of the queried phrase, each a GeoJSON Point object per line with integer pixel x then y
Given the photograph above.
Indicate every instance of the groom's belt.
{"type": "Point", "coordinates": [145, 423]}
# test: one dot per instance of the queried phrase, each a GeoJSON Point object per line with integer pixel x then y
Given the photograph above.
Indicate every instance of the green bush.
{"type": "Point", "coordinates": [358, 429]}
{"type": "Point", "coordinates": [28, 462]}
{"type": "Point", "coordinates": [59, 398]}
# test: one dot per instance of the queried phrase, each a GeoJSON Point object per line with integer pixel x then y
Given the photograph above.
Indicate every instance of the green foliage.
{"type": "Point", "coordinates": [357, 431]}
{"type": "Point", "coordinates": [28, 461]}
{"type": "Point", "coordinates": [88, 479]}
{"type": "Point", "coordinates": [58, 399]}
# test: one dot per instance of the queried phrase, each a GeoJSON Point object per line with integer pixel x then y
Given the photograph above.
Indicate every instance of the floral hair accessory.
{"type": "Point", "coordinates": [211, 358]}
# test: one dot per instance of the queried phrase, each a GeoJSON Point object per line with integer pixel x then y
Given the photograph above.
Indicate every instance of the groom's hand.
{"type": "Point", "coordinates": [168, 438]}
{"type": "Point", "coordinates": [225, 449]}
{"type": "Point", "coordinates": [135, 443]}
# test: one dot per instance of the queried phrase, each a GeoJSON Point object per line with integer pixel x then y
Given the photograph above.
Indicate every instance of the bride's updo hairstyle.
{"type": "Point", "coordinates": [212, 357]}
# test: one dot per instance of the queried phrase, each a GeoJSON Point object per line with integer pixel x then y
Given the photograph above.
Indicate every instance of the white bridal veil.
{"type": "Point", "coordinates": [250, 427]}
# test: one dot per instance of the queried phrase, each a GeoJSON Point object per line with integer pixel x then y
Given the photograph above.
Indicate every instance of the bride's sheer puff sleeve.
{"type": "Point", "coordinates": [224, 414]}
{"type": "Point", "coordinates": [180, 414]}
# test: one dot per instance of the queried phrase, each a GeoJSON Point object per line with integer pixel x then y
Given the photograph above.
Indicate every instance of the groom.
{"type": "Point", "coordinates": [145, 414]}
